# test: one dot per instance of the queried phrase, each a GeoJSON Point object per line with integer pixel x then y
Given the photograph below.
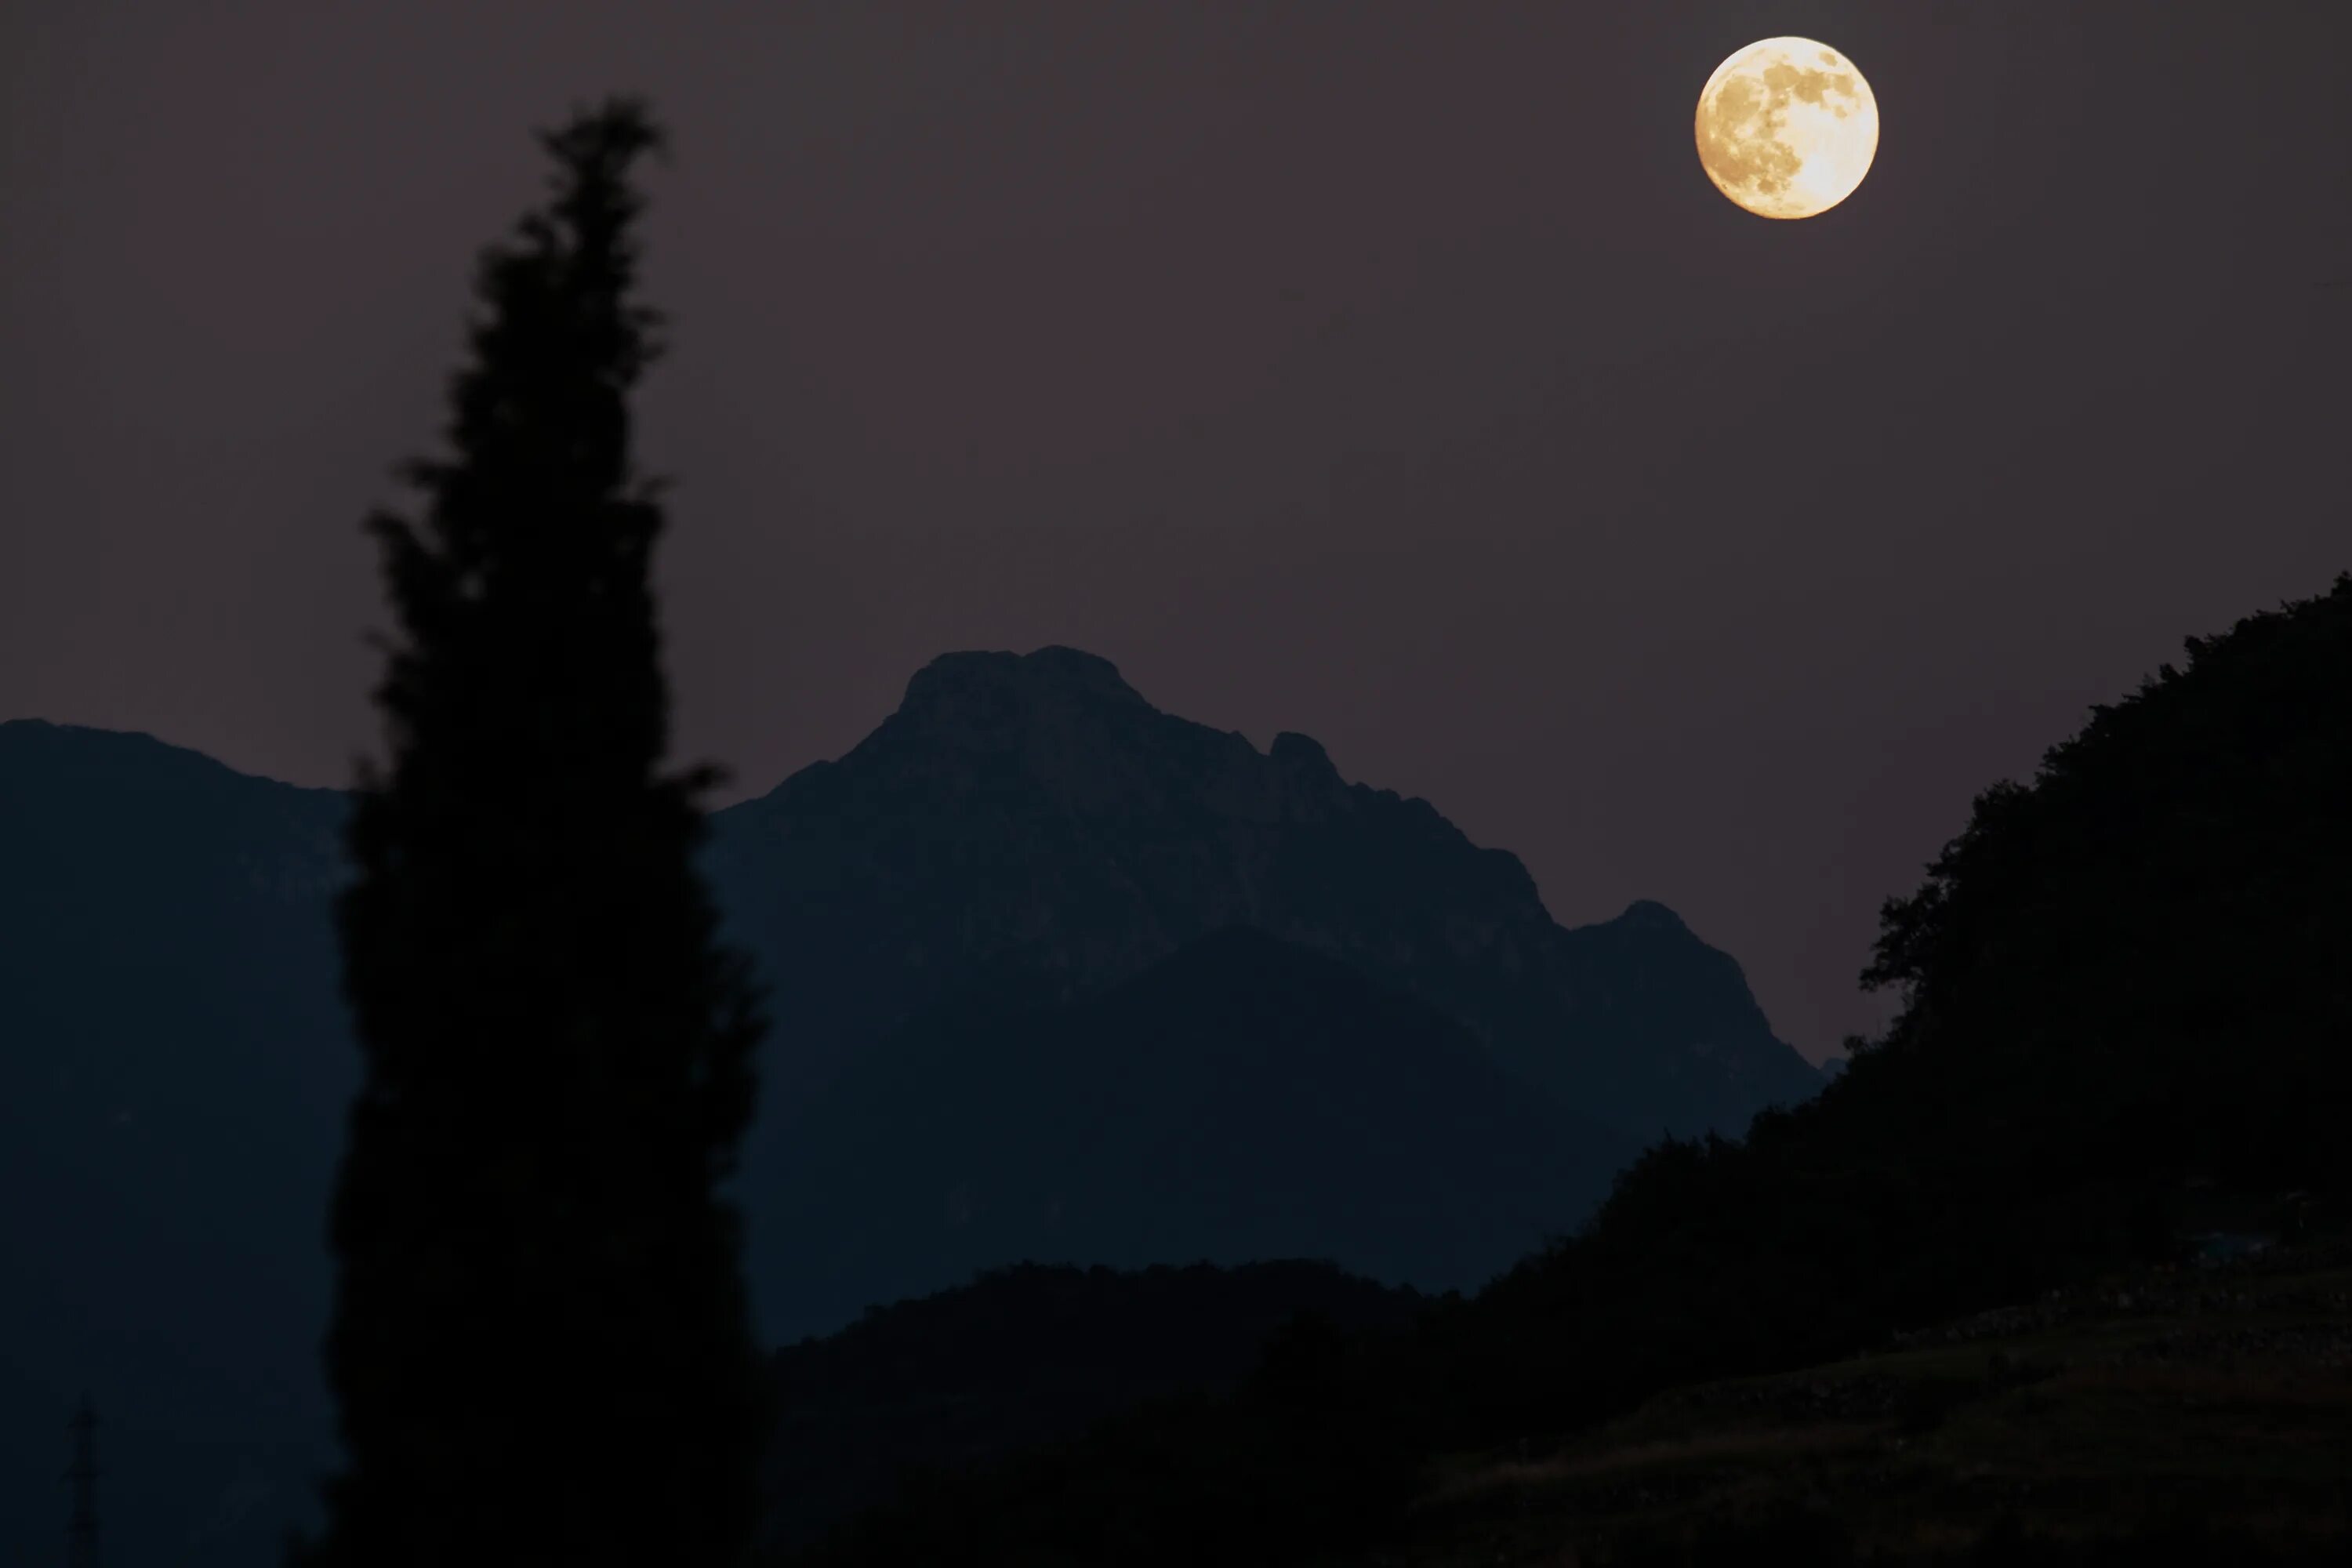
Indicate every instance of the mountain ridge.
{"type": "Point", "coordinates": [1036, 804]}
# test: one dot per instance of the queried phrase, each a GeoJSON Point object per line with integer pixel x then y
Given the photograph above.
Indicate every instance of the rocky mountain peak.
{"type": "Point", "coordinates": [1648, 915]}
{"type": "Point", "coordinates": [1052, 676]}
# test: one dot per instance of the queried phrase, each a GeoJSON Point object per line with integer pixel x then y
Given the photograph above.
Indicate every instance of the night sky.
{"type": "Point", "coordinates": [1386, 372]}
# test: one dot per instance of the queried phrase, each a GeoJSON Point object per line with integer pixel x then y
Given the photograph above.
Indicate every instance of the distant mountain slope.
{"type": "Point", "coordinates": [1035, 809]}
{"type": "Point", "coordinates": [174, 1070]}
{"type": "Point", "coordinates": [1242, 1099]}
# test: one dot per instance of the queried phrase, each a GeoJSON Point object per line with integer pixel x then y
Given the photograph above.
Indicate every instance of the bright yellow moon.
{"type": "Point", "coordinates": [1787, 128]}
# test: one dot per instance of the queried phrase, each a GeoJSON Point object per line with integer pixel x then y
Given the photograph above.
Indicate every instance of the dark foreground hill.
{"type": "Point", "coordinates": [2188, 1415]}
{"type": "Point", "coordinates": [1243, 1098]}
{"type": "Point", "coordinates": [949, 1385]}
{"type": "Point", "coordinates": [2124, 991]}
{"type": "Point", "coordinates": [2124, 1024]}
{"type": "Point", "coordinates": [2187, 1419]}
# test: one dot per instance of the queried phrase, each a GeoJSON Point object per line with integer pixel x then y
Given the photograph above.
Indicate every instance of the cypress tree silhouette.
{"type": "Point", "coordinates": [540, 1343]}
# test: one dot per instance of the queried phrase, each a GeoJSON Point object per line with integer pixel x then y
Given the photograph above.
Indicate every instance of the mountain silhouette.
{"type": "Point", "coordinates": [1035, 810]}
{"type": "Point", "coordinates": [176, 1065]}
{"type": "Point", "coordinates": [2124, 1023]}
{"type": "Point", "coordinates": [1027, 870]}
{"type": "Point", "coordinates": [1243, 1098]}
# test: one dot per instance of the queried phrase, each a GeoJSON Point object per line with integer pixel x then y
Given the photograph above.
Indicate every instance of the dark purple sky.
{"type": "Point", "coordinates": [1385, 371]}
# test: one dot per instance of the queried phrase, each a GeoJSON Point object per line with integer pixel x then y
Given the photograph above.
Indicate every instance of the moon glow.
{"type": "Point", "coordinates": [1787, 128]}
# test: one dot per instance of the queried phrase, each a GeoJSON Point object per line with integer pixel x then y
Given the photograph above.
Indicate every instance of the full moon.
{"type": "Point", "coordinates": [1787, 128]}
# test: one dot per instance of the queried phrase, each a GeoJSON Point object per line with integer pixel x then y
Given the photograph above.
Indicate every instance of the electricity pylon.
{"type": "Point", "coordinates": [82, 1531]}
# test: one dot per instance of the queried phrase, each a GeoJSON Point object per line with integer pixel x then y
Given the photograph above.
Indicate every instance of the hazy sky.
{"type": "Point", "coordinates": [1385, 371]}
